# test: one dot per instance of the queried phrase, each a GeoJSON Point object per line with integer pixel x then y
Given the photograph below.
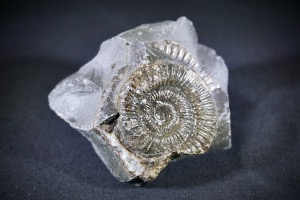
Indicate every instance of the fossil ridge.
{"type": "Point", "coordinates": [150, 95]}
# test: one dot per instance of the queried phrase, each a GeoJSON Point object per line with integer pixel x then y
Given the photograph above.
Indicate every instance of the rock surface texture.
{"type": "Point", "coordinates": [151, 95]}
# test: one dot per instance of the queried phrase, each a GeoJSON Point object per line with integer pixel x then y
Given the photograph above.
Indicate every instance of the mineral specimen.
{"type": "Point", "coordinates": [151, 95]}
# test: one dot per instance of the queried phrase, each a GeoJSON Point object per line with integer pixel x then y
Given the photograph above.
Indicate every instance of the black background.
{"type": "Point", "coordinates": [41, 157]}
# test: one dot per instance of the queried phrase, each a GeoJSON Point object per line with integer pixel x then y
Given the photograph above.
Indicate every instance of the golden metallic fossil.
{"type": "Point", "coordinates": [165, 108]}
{"type": "Point", "coordinates": [151, 95]}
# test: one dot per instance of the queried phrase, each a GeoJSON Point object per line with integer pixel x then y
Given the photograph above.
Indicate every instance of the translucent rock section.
{"type": "Point", "coordinates": [151, 95]}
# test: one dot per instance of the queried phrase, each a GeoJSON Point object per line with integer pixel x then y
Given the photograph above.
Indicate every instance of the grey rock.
{"type": "Point", "coordinates": [152, 94]}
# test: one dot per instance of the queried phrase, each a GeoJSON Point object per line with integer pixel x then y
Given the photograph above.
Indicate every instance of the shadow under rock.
{"type": "Point", "coordinates": [258, 139]}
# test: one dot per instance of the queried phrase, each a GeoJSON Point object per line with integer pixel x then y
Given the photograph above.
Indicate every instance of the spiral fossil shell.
{"type": "Point", "coordinates": [166, 107]}
{"type": "Point", "coordinates": [150, 95]}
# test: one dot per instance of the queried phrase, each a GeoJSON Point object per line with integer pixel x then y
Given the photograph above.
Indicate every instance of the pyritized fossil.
{"type": "Point", "coordinates": [152, 94]}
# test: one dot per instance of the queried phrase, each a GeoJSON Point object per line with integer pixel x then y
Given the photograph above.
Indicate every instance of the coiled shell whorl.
{"type": "Point", "coordinates": [165, 107]}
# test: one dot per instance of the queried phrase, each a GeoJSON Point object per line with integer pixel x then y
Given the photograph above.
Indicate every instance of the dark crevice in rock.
{"type": "Point", "coordinates": [109, 123]}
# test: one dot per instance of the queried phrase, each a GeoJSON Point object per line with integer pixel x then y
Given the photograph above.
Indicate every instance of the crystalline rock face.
{"type": "Point", "coordinates": [151, 95]}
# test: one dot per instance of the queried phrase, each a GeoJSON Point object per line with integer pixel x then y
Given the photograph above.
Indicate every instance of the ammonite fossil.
{"type": "Point", "coordinates": [165, 108]}
{"type": "Point", "coordinates": [152, 94]}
